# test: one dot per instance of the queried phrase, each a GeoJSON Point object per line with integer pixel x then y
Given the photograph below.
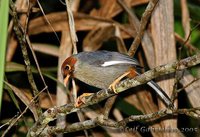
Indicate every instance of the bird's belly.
{"type": "Point", "coordinates": [99, 77]}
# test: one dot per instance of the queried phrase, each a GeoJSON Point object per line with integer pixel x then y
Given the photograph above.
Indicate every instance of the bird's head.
{"type": "Point", "coordinates": [68, 68]}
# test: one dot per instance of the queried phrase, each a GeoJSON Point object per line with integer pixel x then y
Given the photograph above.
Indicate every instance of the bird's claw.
{"type": "Point", "coordinates": [112, 87]}
{"type": "Point", "coordinates": [81, 99]}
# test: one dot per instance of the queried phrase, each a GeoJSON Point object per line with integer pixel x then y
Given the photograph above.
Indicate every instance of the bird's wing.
{"type": "Point", "coordinates": [118, 58]}
{"type": "Point", "coordinates": [115, 58]}
{"type": "Point", "coordinates": [108, 58]}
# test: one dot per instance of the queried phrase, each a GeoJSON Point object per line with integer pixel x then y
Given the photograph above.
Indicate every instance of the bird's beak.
{"type": "Point", "coordinates": [66, 79]}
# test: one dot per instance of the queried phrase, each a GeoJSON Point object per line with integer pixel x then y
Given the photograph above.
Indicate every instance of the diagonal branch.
{"type": "Point", "coordinates": [144, 20]}
{"type": "Point", "coordinates": [51, 113]}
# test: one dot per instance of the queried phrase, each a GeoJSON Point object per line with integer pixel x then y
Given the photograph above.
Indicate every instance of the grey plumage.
{"type": "Point", "coordinates": [109, 65]}
{"type": "Point", "coordinates": [98, 58]}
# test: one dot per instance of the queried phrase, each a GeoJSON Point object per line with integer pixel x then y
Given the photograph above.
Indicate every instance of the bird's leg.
{"type": "Point", "coordinates": [112, 86]}
{"type": "Point", "coordinates": [81, 99]}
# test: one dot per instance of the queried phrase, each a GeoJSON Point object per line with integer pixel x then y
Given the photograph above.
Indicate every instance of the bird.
{"type": "Point", "coordinates": [105, 69]}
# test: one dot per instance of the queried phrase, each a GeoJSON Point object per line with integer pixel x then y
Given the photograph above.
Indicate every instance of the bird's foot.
{"type": "Point", "coordinates": [81, 99]}
{"type": "Point", "coordinates": [113, 85]}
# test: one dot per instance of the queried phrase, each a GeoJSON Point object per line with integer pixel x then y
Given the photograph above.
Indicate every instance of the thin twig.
{"type": "Point", "coordinates": [186, 44]}
{"type": "Point", "coordinates": [178, 76]}
{"type": "Point", "coordinates": [189, 35]}
{"type": "Point", "coordinates": [196, 79]}
{"type": "Point", "coordinates": [48, 22]}
{"type": "Point", "coordinates": [27, 107]}
{"type": "Point", "coordinates": [31, 4]}
{"type": "Point", "coordinates": [146, 41]}
{"type": "Point", "coordinates": [132, 16]}
{"type": "Point", "coordinates": [185, 18]}
{"type": "Point", "coordinates": [71, 25]}
{"type": "Point", "coordinates": [20, 35]}
{"type": "Point", "coordinates": [38, 67]}
{"type": "Point", "coordinates": [10, 121]}
{"type": "Point", "coordinates": [108, 106]}
{"type": "Point", "coordinates": [144, 20]}
{"type": "Point", "coordinates": [74, 99]}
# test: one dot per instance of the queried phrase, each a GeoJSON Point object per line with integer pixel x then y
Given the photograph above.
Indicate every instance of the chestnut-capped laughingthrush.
{"type": "Point", "coordinates": [104, 69]}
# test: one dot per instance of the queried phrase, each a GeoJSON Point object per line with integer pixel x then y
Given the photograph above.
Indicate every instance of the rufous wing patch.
{"type": "Point", "coordinates": [132, 73]}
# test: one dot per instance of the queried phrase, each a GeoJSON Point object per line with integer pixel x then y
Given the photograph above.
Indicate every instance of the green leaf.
{"type": "Point", "coordinates": [194, 10]}
{"type": "Point", "coordinates": [195, 36]}
{"type": "Point", "coordinates": [127, 108]}
{"type": "Point", "coordinates": [14, 67]}
{"type": "Point", "coordinates": [178, 28]}
{"type": "Point", "coordinates": [10, 92]}
{"type": "Point", "coordinates": [4, 7]}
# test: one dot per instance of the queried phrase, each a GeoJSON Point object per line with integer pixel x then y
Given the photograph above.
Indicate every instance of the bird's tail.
{"type": "Point", "coordinates": [161, 93]}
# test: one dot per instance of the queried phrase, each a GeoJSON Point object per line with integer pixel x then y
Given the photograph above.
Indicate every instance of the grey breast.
{"type": "Point", "coordinates": [98, 76]}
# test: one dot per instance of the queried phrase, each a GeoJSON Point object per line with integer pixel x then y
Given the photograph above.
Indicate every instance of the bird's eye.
{"type": "Point", "coordinates": [67, 67]}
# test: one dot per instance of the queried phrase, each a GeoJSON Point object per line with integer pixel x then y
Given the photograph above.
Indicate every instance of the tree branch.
{"type": "Point", "coordinates": [121, 125]}
{"type": "Point", "coordinates": [52, 113]}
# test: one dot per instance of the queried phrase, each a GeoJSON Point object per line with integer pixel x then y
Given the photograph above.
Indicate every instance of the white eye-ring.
{"type": "Point", "coordinates": [67, 67]}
